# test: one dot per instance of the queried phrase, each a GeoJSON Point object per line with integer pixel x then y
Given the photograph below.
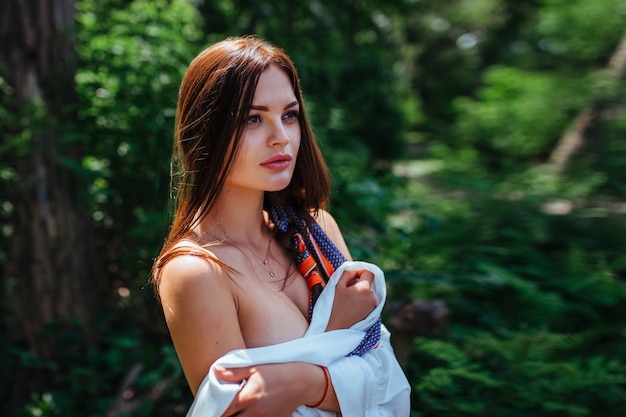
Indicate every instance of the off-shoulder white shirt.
{"type": "Point", "coordinates": [371, 385]}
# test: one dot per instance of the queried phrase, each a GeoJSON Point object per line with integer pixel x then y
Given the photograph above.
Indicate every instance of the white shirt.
{"type": "Point", "coordinates": [371, 385]}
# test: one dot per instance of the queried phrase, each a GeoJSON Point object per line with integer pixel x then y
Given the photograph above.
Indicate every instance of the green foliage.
{"type": "Point", "coordinates": [565, 27]}
{"type": "Point", "coordinates": [93, 367]}
{"type": "Point", "coordinates": [437, 120]}
{"type": "Point", "coordinates": [133, 60]}
{"type": "Point", "coordinates": [523, 99]}
{"type": "Point", "coordinates": [512, 374]}
{"type": "Point", "coordinates": [527, 259]}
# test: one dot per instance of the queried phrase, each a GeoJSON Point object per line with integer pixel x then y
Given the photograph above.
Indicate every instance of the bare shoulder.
{"type": "Point", "coordinates": [187, 271]}
{"type": "Point", "coordinates": [192, 282]}
{"type": "Point", "coordinates": [328, 223]}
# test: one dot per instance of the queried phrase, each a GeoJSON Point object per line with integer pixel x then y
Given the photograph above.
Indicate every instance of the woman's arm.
{"type": "Point", "coordinates": [260, 397]}
{"type": "Point", "coordinates": [373, 383]}
{"type": "Point", "coordinates": [201, 314]}
{"type": "Point", "coordinates": [291, 384]}
{"type": "Point", "coordinates": [353, 302]}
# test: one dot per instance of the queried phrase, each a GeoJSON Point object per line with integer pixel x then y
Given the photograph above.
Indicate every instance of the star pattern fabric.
{"type": "Point", "coordinates": [315, 252]}
{"type": "Point", "coordinates": [370, 340]}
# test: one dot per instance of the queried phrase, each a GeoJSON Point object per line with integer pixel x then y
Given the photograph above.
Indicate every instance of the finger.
{"type": "Point", "coordinates": [347, 278]}
{"type": "Point", "coordinates": [361, 276]}
{"type": "Point", "coordinates": [362, 286]}
{"type": "Point", "coordinates": [366, 275]}
{"type": "Point", "coordinates": [232, 374]}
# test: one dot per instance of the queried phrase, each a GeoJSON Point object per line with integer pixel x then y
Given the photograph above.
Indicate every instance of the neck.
{"type": "Point", "coordinates": [238, 216]}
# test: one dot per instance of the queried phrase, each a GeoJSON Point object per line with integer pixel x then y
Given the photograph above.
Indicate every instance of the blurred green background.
{"type": "Point", "coordinates": [477, 151]}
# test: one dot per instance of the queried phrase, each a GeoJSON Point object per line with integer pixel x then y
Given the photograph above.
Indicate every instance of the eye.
{"type": "Point", "coordinates": [254, 119]}
{"type": "Point", "coordinates": [291, 115]}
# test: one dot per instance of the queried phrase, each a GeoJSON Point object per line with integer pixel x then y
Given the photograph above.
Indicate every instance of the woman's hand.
{"type": "Point", "coordinates": [354, 299]}
{"type": "Point", "coordinates": [275, 390]}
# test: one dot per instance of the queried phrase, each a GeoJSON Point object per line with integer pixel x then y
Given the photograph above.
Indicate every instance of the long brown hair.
{"type": "Point", "coordinates": [215, 92]}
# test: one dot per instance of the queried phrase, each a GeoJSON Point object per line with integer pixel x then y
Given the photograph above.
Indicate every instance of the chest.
{"type": "Point", "coordinates": [271, 309]}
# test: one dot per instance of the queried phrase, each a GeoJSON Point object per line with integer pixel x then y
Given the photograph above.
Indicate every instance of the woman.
{"type": "Point", "coordinates": [230, 275]}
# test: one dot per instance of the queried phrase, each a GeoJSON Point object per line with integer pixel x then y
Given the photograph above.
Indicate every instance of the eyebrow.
{"type": "Point", "coordinates": [265, 108]}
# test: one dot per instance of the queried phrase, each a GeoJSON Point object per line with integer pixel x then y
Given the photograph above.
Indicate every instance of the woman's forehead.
{"type": "Point", "coordinates": [274, 87]}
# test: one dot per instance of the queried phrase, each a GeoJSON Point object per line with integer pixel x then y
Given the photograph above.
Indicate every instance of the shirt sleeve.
{"type": "Point", "coordinates": [371, 385]}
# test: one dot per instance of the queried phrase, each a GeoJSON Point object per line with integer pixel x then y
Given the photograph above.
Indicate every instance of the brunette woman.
{"type": "Point", "coordinates": [250, 187]}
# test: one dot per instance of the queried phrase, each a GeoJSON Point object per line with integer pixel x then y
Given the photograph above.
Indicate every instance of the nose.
{"type": "Point", "coordinates": [278, 135]}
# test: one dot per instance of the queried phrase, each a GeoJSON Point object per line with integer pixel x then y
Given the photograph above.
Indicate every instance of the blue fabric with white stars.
{"type": "Point", "coordinates": [283, 216]}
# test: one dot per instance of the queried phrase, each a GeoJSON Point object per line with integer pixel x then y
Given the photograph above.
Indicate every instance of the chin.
{"type": "Point", "coordinates": [276, 188]}
{"type": "Point", "coordinates": [279, 184]}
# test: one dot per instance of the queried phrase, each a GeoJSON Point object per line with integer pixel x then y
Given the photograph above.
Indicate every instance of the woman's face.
{"type": "Point", "coordinates": [271, 138]}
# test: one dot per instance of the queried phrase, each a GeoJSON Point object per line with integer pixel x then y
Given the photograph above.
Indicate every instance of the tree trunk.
{"type": "Point", "coordinates": [48, 272]}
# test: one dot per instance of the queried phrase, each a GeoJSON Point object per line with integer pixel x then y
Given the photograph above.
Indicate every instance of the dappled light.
{"type": "Point", "coordinates": [476, 152]}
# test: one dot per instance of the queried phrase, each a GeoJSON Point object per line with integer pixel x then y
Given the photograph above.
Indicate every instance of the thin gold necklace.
{"type": "Point", "coordinates": [268, 253]}
{"type": "Point", "coordinates": [268, 256]}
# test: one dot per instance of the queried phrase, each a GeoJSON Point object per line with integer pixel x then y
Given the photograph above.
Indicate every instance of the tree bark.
{"type": "Point", "coordinates": [48, 273]}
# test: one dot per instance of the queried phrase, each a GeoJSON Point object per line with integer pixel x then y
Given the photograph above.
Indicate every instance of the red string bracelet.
{"type": "Point", "coordinates": [325, 389]}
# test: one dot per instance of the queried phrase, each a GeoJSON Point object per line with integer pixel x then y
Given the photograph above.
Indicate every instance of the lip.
{"type": "Point", "coordinates": [277, 162]}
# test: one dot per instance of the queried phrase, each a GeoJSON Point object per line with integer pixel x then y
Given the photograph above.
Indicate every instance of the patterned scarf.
{"type": "Point", "coordinates": [315, 252]}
